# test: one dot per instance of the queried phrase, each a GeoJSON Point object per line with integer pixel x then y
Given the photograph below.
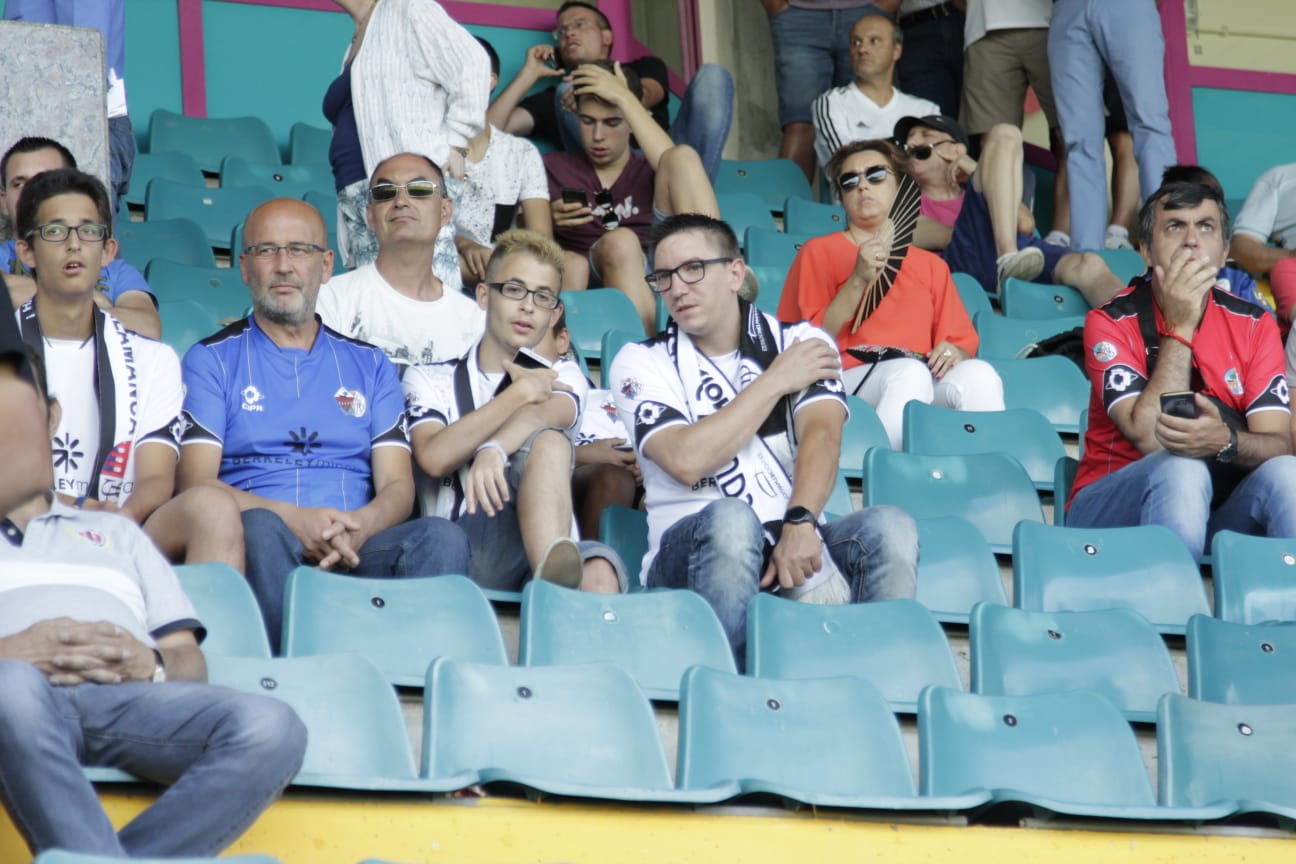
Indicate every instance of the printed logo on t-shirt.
{"type": "Point", "coordinates": [302, 441]}
{"type": "Point", "coordinates": [252, 398]}
{"type": "Point", "coordinates": [352, 402]}
{"type": "Point", "coordinates": [94, 537]}
{"type": "Point", "coordinates": [1104, 352]}
{"type": "Point", "coordinates": [67, 452]}
{"type": "Point", "coordinates": [630, 387]}
{"type": "Point", "coordinates": [1233, 381]}
{"type": "Point", "coordinates": [117, 460]}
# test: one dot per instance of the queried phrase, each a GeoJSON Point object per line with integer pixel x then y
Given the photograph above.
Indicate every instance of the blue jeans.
{"type": "Point", "coordinates": [419, 547]}
{"type": "Point", "coordinates": [1083, 36]}
{"type": "Point", "coordinates": [225, 755]}
{"type": "Point", "coordinates": [1175, 491]}
{"type": "Point", "coordinates": [121, 155]}
{"type": "Point", "coordinates": [811, 55]}
{"type": "Point", "coordinates": [717, 552]}
{"type": "Point", "coordinates": [702, 122]}
{"type": "Point", "coordinates": [931, 65]}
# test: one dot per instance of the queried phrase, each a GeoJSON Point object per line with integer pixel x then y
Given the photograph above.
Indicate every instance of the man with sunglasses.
{"type": "Point", "coordinates": [497, 425]}
{"type": "Point", "coordinates": [605, 198]}
{"type": "Point", "coordinates": [116, 440]}
{"type": "Point", "coordinates": [737, 420]}
{"type": "Point", "coordinates": [397, 303]}
{"type": "Point", "coordinates": [305, 427]}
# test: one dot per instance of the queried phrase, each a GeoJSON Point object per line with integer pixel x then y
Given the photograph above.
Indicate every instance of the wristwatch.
{"type": "Point", "coordinates": [795, 515]}
{"type": "Point", "coordinates": [1228, 452]}
{"type": "Point", "coordinates": [159, 670]}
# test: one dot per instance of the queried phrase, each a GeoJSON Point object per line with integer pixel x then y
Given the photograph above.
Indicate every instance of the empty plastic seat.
{"type": "Point", "coordinates": [1125, 263]}
{"type": "Point", "coordinates": [1053, 386]}
{"type": "Point", "coordinates": [326, 204]}
{"type": "Point", "coordinates": [744, 210]}
{"type": "Point", "coordinates": [209, 140]}
{"type": "Point", "coordinates": [216, 211]}
{"type": "Point", "coordinates": [1025, 435]}
{"type": "Point", "coordinates": [60, 856]}
{"type": "Point", "coordinates": [219, 289]}
{"type": "Point", "coordinates": [1020, 299]}
{"type": "Point", "coordinates": [585, 731]}
{"type": "Point", "coordinates": [803, 216]}
{"type": "Point", "coordinates": [774, 180]}
{"type": "Point", "coordinates": [399, 624]}
{"type": "Point", "coordinates": [227, 608]}
{"type": "Point", "coordinates": [653, 635]}
{"type": "Point", "coordinates": [185, 322]}
{"type": "Point", "coordinates": [1004, 338]}
{"type": "Point", "coordinates": [862, 432]}
{"type": "Point", "coordinates": [1241, 664]}
{"type": "Point", "coordinates": [180, 167]}
{"type": "Point", "coordinates": [626, 530]}
{"type": "Point", "coordinates": [1254, 578]}
{"type": "Point", "coordinates": [1115, 652]}
{"type": "Point", "coordinates": [896, 645]}
{"type": "Point", "coordinates": [974, 296]}
{"type": "Point", "coordinates": [356, 731]}
{"type": "Point", "coordinates": [766, 247]}
{"type": "Point", "coordinates": [956, 569]}
{"type": "Point", "coordinates": [1145, 568]}
{"type": "Point", "coordinates": [179, 240]}
{"type": "Point", "coordinates": [771, 281]}
{"type": "Point", "coordinates": [614, 341]}
{"type": "Point", "coordinates": [590, 314]}
{"type": "Point", "coordinates": [308, 143]}
{"type": "Point", "coordinates": [839, 502]}
{"type": "Point", "coordinates": [285, 181]}
{"type": "Point", "coordinates": [990, 490]}
{"type": "Point", "coordinates": [1064, 475]}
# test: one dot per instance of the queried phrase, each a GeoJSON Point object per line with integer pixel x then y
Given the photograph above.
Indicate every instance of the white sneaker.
{"type": "Point", "coordinates": [1058, 238]}
{"type": "Point", "coordinates": [1024, 264]}
{"type": "Point", "coordinates": [1117, 240]}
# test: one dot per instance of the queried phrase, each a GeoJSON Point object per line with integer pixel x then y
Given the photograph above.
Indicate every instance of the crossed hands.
{"type": "Point", "coordinates": [71, 652]}
{"type": "Point", "coordinates": [331, 538]}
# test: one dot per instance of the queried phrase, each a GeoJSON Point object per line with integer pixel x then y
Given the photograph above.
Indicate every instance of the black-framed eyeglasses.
{"type": "Point", "coordinates": [57, 232]}
{"type": "Point", "coordinates": [603, 200]}
{"type": "Point", "coordinates": [690, 273]}
{"type": "Point", "coordinates": [541, 297]}
{"type": "Point", "coordinates": [579, 24]}
{"type": "Point", "coordinates": [384, 192]}
{"type": "Point", "coordinates": [266, 251]}
{"type": "Point", "coordinates": [923, 152]}
{"type": "Point", "coordinates": [875, 176]}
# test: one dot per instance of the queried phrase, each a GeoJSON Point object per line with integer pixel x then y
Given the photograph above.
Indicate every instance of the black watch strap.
{"type": "Point", "coordinates": [796, 515]}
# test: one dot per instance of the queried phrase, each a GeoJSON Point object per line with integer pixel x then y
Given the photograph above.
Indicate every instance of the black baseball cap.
{"type": "Point", "coordinates": [932, 121]}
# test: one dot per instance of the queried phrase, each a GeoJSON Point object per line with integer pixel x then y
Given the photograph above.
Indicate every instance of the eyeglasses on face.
{"type": "Point", "coordinates": [690, 273]}
{"type": "Point", "coordinates": [542, 297]}
{"type": "Point", "coordinates": [923, 152]}
{"type": "Point", "coordinates": [875, 175]}
{"type": "Point", "coordinates": [266, 251]}
{"type": "Point", "coordinates": [57, 232]}
{"type": "Point", "coordinates": [579, 24]}
{"type": "Point", "coordinates": [415, 189]}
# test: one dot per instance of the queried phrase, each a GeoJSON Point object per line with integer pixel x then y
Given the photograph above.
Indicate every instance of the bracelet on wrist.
{"type": "Point", "coordinates": [493, 445]}
{"type": "Point", "coordinates": [1170, 334]}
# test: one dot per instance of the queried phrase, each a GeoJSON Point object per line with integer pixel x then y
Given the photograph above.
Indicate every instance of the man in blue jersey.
{"type": "Point", "coordinates": [305, 427]}
{"type": "Point", "coordinates": [122, 291]}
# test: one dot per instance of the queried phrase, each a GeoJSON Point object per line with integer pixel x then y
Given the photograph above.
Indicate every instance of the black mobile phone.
{"type": "Point", "coordinates": [1179, 404]}
{"type": "Point", "coordinates": [528, 359]}
{"type": "Point", "coordinates": [572, 195]}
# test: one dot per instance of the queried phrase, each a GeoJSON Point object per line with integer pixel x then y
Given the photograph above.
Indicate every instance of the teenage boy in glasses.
{"type": "Point", "coordinates": [606, 197]}
{"type": "Point", "coordinates": [118, 436]}
{"type": "Point", "coordinates": [973, 211]}
{"type": "Point", "coordinates": [397, 303]}
{"type": "Point", "coordinates": [305, 427]}
{"type": "Point", "coordinates": [496, 426]}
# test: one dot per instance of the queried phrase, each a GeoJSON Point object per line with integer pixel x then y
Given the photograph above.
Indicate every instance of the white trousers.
{"type": "Point", "coordinates": [972, 385]}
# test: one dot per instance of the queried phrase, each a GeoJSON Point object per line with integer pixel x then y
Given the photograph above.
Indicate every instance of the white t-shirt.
{"type": "Point", "coordinates": [510, 172]}
{"type": "Point", "coordinates": [1270, 210]}
{"type": "Point", "coordinates": [986, 15]}
{"type": "Point", "coordinates": [650, 397]}
{"type": "Point", "coordinates": [600, 420]}
{"type": "Point", "coordinates": [361, 304]}
{"type": "Point", "coordinates": [844, 114]}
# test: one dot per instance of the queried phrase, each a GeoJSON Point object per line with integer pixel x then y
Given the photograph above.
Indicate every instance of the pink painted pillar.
{"type": "Point", "coordinates": [1178, 80]}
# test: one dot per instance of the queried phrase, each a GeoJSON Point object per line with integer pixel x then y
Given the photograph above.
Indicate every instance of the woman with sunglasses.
{"type": "Point", "coordinates": [916, 329]}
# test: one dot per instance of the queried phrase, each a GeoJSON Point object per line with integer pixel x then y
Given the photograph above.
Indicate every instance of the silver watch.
{"type": "Point", "coordinates": [159, 669]}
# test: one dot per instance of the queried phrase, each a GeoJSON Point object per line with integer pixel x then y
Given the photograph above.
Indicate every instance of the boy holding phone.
{"type": "Point", "coordinates": [496, 427]}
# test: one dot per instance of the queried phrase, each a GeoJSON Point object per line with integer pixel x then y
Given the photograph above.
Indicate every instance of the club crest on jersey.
{"type": "Point", "coordinates": [252, 398]}
{"type": "Point", "coordinates": [94, 537]}
{"type": "Point", "coordinates": [352, 402]}
{"type": "Point", "coordinates": [1104, 352]}
{"type": "Point", "coordinates": [1233, 381]}
{"type": "Point", "coordinates": [1279, 389]}
{"type": "Point", "coordinates": [630, 387]}
{"type": "Point", "coordinates": [648, 413]}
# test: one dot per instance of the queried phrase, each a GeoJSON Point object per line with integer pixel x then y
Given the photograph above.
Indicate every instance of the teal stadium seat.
{"type": "Point", "coordinates": [1053, 386]}
{"type": "Point", "coordinates": [590, 314]}
{"type": "Point", "coordinates": [1020, 299]}
{"type": "Point", "coordinates": [1241, 664]}
{"type": "Point", "coordinates": [227, 608]}
{"type": "Point", "coordinates": [1125, 263]}
{"type": "Point", "coordinates": [974, 297]}
{"type": "Point", "coordinates": [1113, 651]}
{"type": "Point", "coordinates": [956, 569]}
{"type": "Point", "coordinates": [774, 180]}
{"type": "Point", "coordinates": [768, 247]}
{"type": "Point", "coordinates": [1022, 434]}
{"type": "Point", "coordinates": [990, 490]}
{"type": "Point", "coordinates": [216, 211]}
{"type": "Point", "coordinates": [401, 625]}
{"type": "Point", "coordinates": [771, 281]}
{"type": "Point", "coordinates": [180, 240]}
{"type": "Point", "coordinates": [1235, 756]}
{"type": "Point", "coordinates": [896, 645]}
{"type": "Point", "coordinates": [626, 531]}
{"type": "Point", "coordinates": [185, 322]}
{"type": "Point", "coordinates": [284, 181]}
{"type": "Point", "coordinates": [209, 140]}
{"type": "Point", "coordinates": [1145, 568]}
{"type": "Point", "coordinates": [326, 203]}
{"type": "Point", "coordinates": [220, 289]}
{"type": "Point", "coordinates": [653, 635]}
{"type": "Point", "coordinates": [744, 210]}
{"type": "Point", "coordinates": [308, 144]}
{"type": "Point", "coordinates": [839, 502]}
{"type": "Point", "coordinates": [1254, 578]}
{"type": "Point", "coordinates": [356, 731]}
{"type": "Point", "coordinates": [1004, 338]}
{"type": "Point", "coordinates": [803, 216]}
{"type": "Point", "coordinates": [614, 341]}
{"type": "Point", "coordinates": [862, 432]}
{"type": "Point", "coordinates": [180, 167]}
{"type": "Point", "coordinates": [1064, 475]}
{"type": "Point", "coordinates": [61, 856]}
{"type": "Point", "coordinates": [584, 731]}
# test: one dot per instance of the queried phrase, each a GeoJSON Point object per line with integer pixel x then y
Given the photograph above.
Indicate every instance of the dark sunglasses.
{"type": "Point", "coordinates": [923, 152]}
{"type": "Point", "coordinates": [414, 189]}
{"type": "Point", "coordinates": [603, 200]}
{"type": "Point", "coordinates": [875, 176]}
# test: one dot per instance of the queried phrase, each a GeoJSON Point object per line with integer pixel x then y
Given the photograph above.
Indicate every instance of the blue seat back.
{"type": "Point", "coordinates": [1020, 299]}
{"type": "Point", "coordinates": [284, 181]}
{"type": "Point", "coordinates": [308, 143]}
{"type": "Point", "coordinates": [1254, 578]}
{"type": "Point", "coordinates": [774, 180]}
{"type": "Point", "coordinates": [1004, 338]}
{"type": "Point", "coordinates": [216, 211]}
{"type": "Point", "coordinates": [803, 216]}
{"type": "Point", "coordinates": [956, 569]}
{"type": "Point", "coordinates": [626, 531]}
{"type": "Point", "coordinates": [1053, 386]}
{"type": "Point", "coordinates": [227, 608]}
{"type": "Point", "coordinates": [185, 322]}
{"type": "Point", "coordinates": [590, 314]}
{"type": "Point", "coordinates": [210, 139]}
{"type": "Point", "coordinates": [744, 211]}
{"type": "Point", "coordinates": [173, 165]}
{"type": "Point", "coordinates": [179, 240]}
{"type": "Point", "coordinates": [1241, 664]}
{"type": "Point", "coordinates": [219, 289]}
{"type": "Point", "coordinates": [1022, 434]}
{"type": "Point", "coordinates": [974, 297]}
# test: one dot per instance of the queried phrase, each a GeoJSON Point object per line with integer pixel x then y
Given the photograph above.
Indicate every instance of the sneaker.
{"type": "Point", "coordinates": [561, 563]}
{"type": "Point", "coordinates": [1058, 238]}
{"type": "Point", "coordinates": [1024, 264]}
{"type": "Point", "coordinates": [1117, 238]}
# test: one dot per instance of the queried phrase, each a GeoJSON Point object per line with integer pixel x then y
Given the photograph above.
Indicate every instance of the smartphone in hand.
{"type": "Point", "coordinates": [571, 195]}
{"type": "Point", "coordinates": [1179, 404]}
